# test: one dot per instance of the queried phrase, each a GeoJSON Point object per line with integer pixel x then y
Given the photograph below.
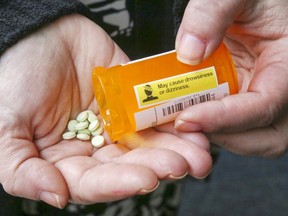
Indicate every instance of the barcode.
{"type": "Point", "coordinates": [185, 104]}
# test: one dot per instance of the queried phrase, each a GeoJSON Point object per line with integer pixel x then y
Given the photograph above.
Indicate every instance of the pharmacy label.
{"type": "Point", "coordinates": [163, 90]}
{"type": "Point", "coordinates": [167, 112]}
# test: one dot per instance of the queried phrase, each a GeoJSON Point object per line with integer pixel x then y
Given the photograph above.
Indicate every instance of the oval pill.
{"type": "Point", "coordinates": [92, 117]}
{"type": "Point", "coordinates": [81, 125]}
{"type": "Point", "coordinates": [83, 136]}
{"type": "Point", "coordinates": [69, 135]}
{"type": "Point", "coordinates": [98, 131]}
{"type": "Point", "coordinates": [81, 117]}
{"type": "Point", "coordinates": [93, 125]}
{"type": "Point", "coordinates": [71, 125]}
{"type": "Point", "coordinates": [98, 141]}
{"type": "Point", "coordinates": [84, 131]}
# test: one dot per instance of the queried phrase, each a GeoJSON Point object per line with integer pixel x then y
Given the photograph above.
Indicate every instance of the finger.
{"type": "Point", "coordinates": [203, 27]}
{"type": "Point", "coordinates": [233, 113]}
{"type": "Point", "coordinates": [270, 141]}
{"type": "Point", "coordinates": [25, 175]}
{"type": "Point", "coordinates": [195, 137]}
{"type": "Point", "coordinates": [89, 181]}
{"type": "Point", "coordinates": [199, 160]}
{"type": "Point", "coordinates": [158, 160]}
{"type": "Point", "coordinates": [265, 142]}
{"type": "Point", "coordinates": [22, 172]}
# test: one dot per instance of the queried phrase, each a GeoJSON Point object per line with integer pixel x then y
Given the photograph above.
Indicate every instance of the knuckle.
{"type": "Point", "coordinates": [278, 147]}
{"type": "Point", "coordinates": [271, 113]}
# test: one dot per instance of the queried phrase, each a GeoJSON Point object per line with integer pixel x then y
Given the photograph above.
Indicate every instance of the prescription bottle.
{"type": "Point", "coordinates": [153, 90]}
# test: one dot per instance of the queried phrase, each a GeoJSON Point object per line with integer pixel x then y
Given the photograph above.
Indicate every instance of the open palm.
{"type": "Point", "coordinates": [45, 81]}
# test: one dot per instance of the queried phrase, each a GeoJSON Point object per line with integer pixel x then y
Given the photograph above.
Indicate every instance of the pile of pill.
{"type": "Point", "coordinates": [86, 126]}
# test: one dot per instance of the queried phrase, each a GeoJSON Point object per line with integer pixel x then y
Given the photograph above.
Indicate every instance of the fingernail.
{"type": "Point", "coordinates": [50, 198]}
{"type": "Point", "coordinates": [191, 50]}
{"type": "Point", "coordinates": [178, 177]}
{"type": "Point", "coordinates": [187, 126]}
{"type": "Point", "coordinates": [145, 191]}
{"type": "Point", "coordinates": [205, 176]}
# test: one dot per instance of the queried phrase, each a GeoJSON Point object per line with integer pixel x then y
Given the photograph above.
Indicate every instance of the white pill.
{"type": "Point", "coordinates": [98, 141]}
{"type": "Point", "coordinates": [81, 117]}
{"type": "Point", "coordinates": [82, 125]}
{"type": "Point", "coordinates": [93, 125]}
{"type": "Point", "coordinates": [83, 136]}
{"type": "Point", "coordinates": [92, 117]}
{"type": "Point", "coordinates": [84, 131]}
{"type": "Point", "coordinates": [71, 125]}
{"type": "Point", "coordinates": [69, 135]}
{"type": "Point", "coordinates": [98, 131]}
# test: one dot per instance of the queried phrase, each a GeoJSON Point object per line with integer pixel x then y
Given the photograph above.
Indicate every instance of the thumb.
{"type": "Point", "coordinates": [24, 174]}
{"type": "Point", "coordinates": [203, 27]}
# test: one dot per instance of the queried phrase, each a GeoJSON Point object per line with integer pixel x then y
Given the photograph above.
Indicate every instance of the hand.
{"type": "Point", "coordinates": [45, 80]}
{"type": "Point", "coordinates": [254, 122]}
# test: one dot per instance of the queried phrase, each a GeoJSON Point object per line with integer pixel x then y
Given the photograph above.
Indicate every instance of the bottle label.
{"type": "Point", "coordinates": [167, 112]}
{"type": "Point", "coordinates": [163, 90]}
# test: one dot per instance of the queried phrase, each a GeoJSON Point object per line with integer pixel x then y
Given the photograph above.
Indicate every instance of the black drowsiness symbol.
{"type": "Point", "coordinates": [149, 94]}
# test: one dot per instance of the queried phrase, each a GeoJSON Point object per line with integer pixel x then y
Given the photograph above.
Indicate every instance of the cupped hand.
{"type": "Point", "coordinates": [255, 121]}
{"type": "Point", "coordinates": [45, 80]}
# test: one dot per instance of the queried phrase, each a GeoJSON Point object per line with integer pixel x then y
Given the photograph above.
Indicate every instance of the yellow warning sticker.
{"type": "Point", "coordinates": [158, 91]}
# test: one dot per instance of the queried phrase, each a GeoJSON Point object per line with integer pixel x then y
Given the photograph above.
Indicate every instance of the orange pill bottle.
{"type": "Point", "coordinates": [152, 91]}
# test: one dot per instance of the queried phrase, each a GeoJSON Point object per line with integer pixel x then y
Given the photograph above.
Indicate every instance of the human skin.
{"type": "Point", "coordinates": [255, 121]}
{"type": "Point", "coordinates": [45, 80]}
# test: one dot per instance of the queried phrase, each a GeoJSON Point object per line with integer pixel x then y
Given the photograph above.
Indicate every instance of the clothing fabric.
{"type": "Point", "coordinates": [150, 25]}
{"type": "Point", "coordinates": [19, 18]}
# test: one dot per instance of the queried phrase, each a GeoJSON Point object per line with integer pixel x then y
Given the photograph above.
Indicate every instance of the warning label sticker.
{"type": "Point", "coordinates": [168, 111]}
{"type": "Point", "coordinates": [159, 91]}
